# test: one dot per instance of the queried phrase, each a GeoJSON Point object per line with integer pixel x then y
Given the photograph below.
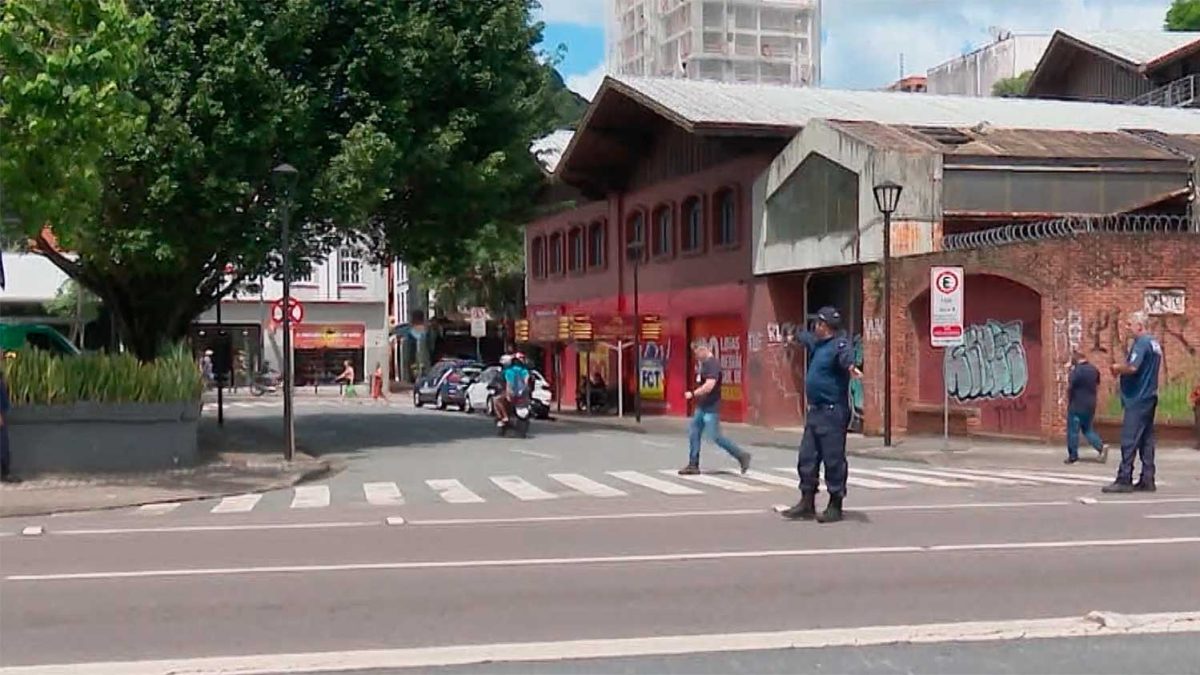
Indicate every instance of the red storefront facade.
{"type": "Point", "coordinates": [686, 194]}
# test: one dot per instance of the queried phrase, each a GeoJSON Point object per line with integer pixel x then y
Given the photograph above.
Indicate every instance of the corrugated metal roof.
{"type": "Point", "coordinates": [699, 103]}
{"type": "Point", "coordinates": [548, 150]}
{"type": "Point", "coordinates": [1137, 46]}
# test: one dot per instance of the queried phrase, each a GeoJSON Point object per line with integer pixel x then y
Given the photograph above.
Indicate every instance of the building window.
{"type": "Point", "coordinates": [597, 244]}
{"type": "Point", "coordinates": [349, 268]}
{"type": "Point", "coordinates": [725, 233]}
{"type": "Point", "coordinates": [306, 278]}
{"type": "Point", "coordinates": [635, 232]}
{"type": "Point", "coordinates": [693, 225]}
{"type": "Point", "coordinates": [576, 250]}
{"type": "Point", "coordinates": [537, 257]}
{"type": "Point", "coordinates": [664, 232]}
{"type": "Point", "coordinates": [556, 253]}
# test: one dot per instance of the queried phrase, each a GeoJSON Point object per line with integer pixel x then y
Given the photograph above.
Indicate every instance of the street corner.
{"type": "Point", "coordinates": [230, 474]}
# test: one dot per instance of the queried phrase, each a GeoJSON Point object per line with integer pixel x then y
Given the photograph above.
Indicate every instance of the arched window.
{"type": "Point", "coordinates": [692, 232]}
{"type": "Point", "coordinates": [576, 250]}
{"type": "Point", "coordinates": [597, 244]}
{"type": "Point", "coordinates": [556, 254]}
{"type": "Point", "coordinates": [537, 258]}
{"type": "Point", "coordinates": [726, 232]}
{"type": "Point", "coordinates": [635, 233]}
{"type": "Point", "coordinates": [663, 234]}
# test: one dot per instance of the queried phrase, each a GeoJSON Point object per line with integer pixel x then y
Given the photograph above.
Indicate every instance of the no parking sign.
{"type": "Point", "coordinates": [945, 306]}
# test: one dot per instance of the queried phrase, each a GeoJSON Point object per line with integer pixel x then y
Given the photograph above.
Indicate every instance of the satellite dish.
{"type": "Point", "coordinates": [998, 34]}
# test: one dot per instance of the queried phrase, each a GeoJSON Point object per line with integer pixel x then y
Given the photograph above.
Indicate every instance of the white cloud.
{"type": "Point", "coordinates": [864, 38]}
{"type": "Point", "coordinates": [587, 83]}
{"type": "Point", "coordinates": [582, 12]}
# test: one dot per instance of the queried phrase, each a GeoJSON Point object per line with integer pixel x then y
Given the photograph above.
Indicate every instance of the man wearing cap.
{"type": "Point", "coordinates": [827, 389]}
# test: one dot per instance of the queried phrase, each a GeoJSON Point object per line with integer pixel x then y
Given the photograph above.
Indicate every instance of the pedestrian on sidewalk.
{"type": "Point", "coordinates": [827, 389]}
{"type": "Point", "coordinates": [1139, 396]}
{"type": "Point", "coordinates": [377, 384]}
{"type": "Point", "coordinates": [706, 420]}
{"type": "Point", "coordinates": [347, 380]}
{"type": "Point", "coordinates": [1081, 407]}
{"type": "Point", "coordinates": [1195, 401]}
{"type": "Point", "coordinates": [6, 474]}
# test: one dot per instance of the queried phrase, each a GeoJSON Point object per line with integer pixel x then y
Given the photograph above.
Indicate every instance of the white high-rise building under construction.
{"type": "Point", "coordinates": [771, 41]}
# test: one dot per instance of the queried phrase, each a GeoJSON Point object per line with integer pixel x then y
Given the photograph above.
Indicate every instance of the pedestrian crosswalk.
{"type": "Point", "coordinates": [621, 483]}
{"type": "Point", "coordinates": [276, 403]}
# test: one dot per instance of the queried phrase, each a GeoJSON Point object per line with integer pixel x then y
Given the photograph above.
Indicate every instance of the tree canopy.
{"type": "Point", "coordinates": [1183, 15]}
{"type": "Point", "coordinates": [409, 123]}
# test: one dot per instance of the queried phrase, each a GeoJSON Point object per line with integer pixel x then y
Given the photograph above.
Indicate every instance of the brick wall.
{"type": "Point", "coordinates": [1087, 285]}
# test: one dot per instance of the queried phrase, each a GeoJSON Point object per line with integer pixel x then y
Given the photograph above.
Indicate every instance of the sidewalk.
{"type": "Point", "coordinates": [964, 452]}
{"type": "Point", "coordinates": [239, 462]}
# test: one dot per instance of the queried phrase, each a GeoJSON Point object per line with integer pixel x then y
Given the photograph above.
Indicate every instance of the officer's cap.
{"type": "Point", "coordinates": [829, 316]}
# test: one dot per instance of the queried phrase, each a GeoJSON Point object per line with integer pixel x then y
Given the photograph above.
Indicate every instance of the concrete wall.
{"type": "Point", "coordinates": [914, 223]}
{"type": "Point", "coordinates": [976, 73]}
{"type": "Point", "coordinates": [30, 278]}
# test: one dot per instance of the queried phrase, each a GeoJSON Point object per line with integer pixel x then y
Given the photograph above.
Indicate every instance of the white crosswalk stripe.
{"type": "Point", "coordinates": [453, 491]}
{"type": "Point", "coordinates": [723, 483]}
{"type": "Point", "coordinates": [310, 497]}
{"type": "Point", "coordinates": [586, 485]}
{"type": "Point", "coordinates": [158, 509]}
{"type": "Point", "coordinates": [853, 480]}
{"type": "Point", "coordinates": [920, 480]}
{"type": "Point", "coordinates": [1092, 478]}
{"type": "Point", "coordinates": [236, 504]}
{"type": "Point", "coordinates": [656, 484]}
{"type": "Point", "coordinates": [1038, 477]}
{"type": "Point", "coordinates": [521, 488]}
{"type": "Point", "coordinates": [382, 494]}
{"type": "Point", "coordinates": [993, 480]}
{"type": "Point", "coordinates": [771, 479]}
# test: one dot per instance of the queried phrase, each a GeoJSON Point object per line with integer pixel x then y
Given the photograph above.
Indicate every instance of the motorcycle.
{"type": "Point", "coordinates": [266, 382]}
{"type": "Point", "coordinates": [519, 418]}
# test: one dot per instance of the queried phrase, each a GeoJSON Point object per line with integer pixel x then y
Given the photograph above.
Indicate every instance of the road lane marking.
{"type": "Point", "coordinates": [217, 528]}
{"type": "Point", "coordinates": [382, 494]}
{"type": "Point", "coordinates": [654, 646]}
{"type": "Point", "coordinates": [586, 485]}
{"type": "Point", "coordinates": [1091, 478]}
{"type": "Point", "coordinates": [657, 444]}
{"type": "Point", "coordinates": [522, 489]}
{"type": "Point", "coordinates": [700, 556]}
{"type": "Point", "coordinates": [310, 497]}
{"type": "Point", "coordinates": [157, 509]}
{"type": "Point", "coordinates": [236, 504]}
{"type": "Point", "coordinates": [853, 480]}
{"type": "Point", "coordinates": [994, 480]}
{"type": "Point", "coordinates": [910, 478]}
{"type": "Point", "coordinates": [656, 484]}
{"type": "Point", "coordinates": [723, 483]}
{"type": "Point", "coordinates": [1173, 516]}
{"type": "Point", "coordinates": [531, 453]}
{"type": "Point", "coordinates": [453, 491]}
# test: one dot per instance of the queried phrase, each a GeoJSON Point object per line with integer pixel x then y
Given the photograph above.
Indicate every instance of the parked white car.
{"type": "Point", "coordinates": [487, 384]}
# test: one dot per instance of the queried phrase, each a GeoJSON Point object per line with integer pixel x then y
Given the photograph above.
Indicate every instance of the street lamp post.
{"type": "Point", "coordinates": [285, 176]}
{"type": "Point", "coordinates": [636, 249]}
{"type": "Point", "coordinates": [887, 197]}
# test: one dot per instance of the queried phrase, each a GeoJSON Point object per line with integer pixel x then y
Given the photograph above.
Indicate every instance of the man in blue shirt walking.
{"type": "Point", "coordinates": [827, 389]}
{"type": "Point", "coordinates": [1139, 396]}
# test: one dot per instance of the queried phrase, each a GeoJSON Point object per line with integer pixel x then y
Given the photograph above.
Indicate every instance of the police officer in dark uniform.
{"type": "Point", "coordinates": [827, 388]}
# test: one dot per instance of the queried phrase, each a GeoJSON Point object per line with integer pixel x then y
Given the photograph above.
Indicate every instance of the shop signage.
{"type": "Point", "coordinates": [330, 336]}
{"type": "Point", "coordinates": [521, 328]}
{"type": "Point", "coordinates": [478, 322]}
{"type": "Point", "coordinates": [723, 335]}
{"type": "Point", "coordinates": [581, 328]}
{"type": "Point", "coordinates": [652, 372]}
{"type": "Point", "coordinates": [651, 328]}
{"type": "Point", "coordinates": [614, 327]}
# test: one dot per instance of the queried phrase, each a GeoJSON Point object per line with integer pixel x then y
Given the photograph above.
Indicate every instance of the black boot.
{"type": "Point", "coordinates": [1117, 487]}
{"type": "Point", "coordinates": [805, 510]}
{"type": "Point", "coordinates": [1144, 485]}
{"type": "Point", "coordinates": [833, 512]}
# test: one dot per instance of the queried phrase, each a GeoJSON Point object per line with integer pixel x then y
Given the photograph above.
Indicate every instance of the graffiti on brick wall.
{"type": "Point", "coordinates": [1068, 337]}
{"type": "Point", "coordinates": [990, 364]}
{"type": "Point", "coordinates": [1104, 333]}
{"type": "Point", "coordinates": [1164, 301]}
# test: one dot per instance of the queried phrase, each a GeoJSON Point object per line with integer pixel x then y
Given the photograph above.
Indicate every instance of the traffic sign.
{"type": "Point", "coordinates": [945, 306]}
{"type": "Point", "coordinates": [296, 312]}
{"type": "Point", "coordinates": [478, 322]}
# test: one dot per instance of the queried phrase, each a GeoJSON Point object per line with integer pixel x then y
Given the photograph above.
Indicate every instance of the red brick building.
{"type": "Point", "coordinates": [755, 211]}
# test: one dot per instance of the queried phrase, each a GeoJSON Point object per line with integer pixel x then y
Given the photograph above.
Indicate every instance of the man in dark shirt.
{"type": "Point", "coordinates": [6, 474]}
{"type": "Point", "coordinates": [1139, 396]}
{"type": "Point", "coordinates": [707, 418]}
{"type": "Point", "coordinates": [827, 389]}
{"type": "Point", "coordinates": [1081, 408]}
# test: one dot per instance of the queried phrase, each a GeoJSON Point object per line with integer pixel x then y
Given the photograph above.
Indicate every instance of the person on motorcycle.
{"type": "Point", "coordinates": [516, 383]}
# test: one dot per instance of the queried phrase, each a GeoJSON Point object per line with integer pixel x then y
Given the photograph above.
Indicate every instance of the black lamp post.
{"type": "Point", "coordinates": [887, 197]}
{"type": "Point", "coordinates": [635, 251]}
{"type": "Point", "coordinates": [285, 176]}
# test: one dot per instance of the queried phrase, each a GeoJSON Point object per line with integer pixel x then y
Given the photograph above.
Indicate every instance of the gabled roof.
{"type": "Point", "coordinates": [548, 150]}
{"type": "Point", "coordinates": [1138, 48]}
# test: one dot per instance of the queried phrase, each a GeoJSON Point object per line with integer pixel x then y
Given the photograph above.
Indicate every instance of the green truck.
{"type": "Point", "coordinates": [18, 336]}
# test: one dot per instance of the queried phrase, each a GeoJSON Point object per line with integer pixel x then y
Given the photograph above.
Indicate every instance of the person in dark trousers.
{"type": "Point", "coordinates": [827, 388]}
{"type": "Point", "coordinates": [706, 421]}
{"type": "Point", "coordinates": [1194, 399]}
{"type": "Point", "coordinates": [1139, 396]}
{"type": "Point", "coordinates": [6, 474]}
{"type": "Point", "coordinates": [1081, 407]}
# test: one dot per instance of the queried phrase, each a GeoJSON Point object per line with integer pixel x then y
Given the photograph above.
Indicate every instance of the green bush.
{"type": "Point", "coordinates": [37, 377]}
{"type": "Point", "coordinates": [1173, 404]}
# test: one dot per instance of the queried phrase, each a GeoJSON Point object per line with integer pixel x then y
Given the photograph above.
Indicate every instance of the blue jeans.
{"type": "Point", "coordinates": [708, 423]}
{"type": "Point", "coordinates": [1137, 439]}
{"type": "Point", "coordinates": [1077, 422]}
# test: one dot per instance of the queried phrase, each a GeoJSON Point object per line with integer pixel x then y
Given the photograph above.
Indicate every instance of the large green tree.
{"type": "Point", "coordinates": [1183, 15]}
{"type": "Point", "coordinates": [408, 120]}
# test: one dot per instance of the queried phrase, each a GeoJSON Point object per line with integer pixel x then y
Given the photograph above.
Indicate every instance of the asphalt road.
{"type": "Point", "coordinates": [310, 572]}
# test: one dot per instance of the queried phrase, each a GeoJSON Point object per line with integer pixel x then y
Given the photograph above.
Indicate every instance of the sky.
{"type": "Point", "coordinates": [862, 40]}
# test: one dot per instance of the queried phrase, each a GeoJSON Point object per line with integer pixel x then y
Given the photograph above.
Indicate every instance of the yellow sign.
{"type": "Point", "coordinates": [652, 381]}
